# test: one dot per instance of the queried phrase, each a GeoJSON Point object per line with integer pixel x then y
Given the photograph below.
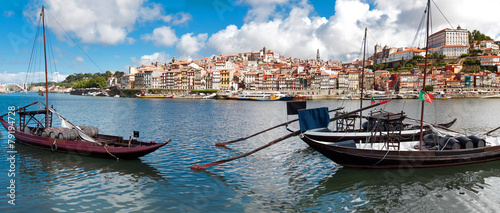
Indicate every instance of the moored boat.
{"type": "Point", "coordinates": [263, 96]}
{"type": "Point", "coordinates": [34, 128]}
{"type": "Point", "coordinates": [440, 149]}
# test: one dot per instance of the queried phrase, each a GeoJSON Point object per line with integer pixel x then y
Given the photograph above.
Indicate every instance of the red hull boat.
{"type": "Point", "coordinates": [34, 128]}
{"type": "Point", "coordinates": [109, 146]}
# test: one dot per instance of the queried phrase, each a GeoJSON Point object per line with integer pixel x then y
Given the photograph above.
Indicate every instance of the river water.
{"type": "Point", "coordinates": [286, 177]}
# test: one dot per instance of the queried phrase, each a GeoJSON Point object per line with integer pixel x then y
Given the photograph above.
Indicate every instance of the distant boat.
{"type": "Point", "coordinates": [492, 96]}
{"type": "Point", "coordinates": [34, 128]}
{"type": "Point", "coordinates": [263, 96]}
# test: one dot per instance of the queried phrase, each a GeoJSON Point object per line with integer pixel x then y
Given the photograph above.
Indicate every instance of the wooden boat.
{"type": "Point", "coordinates": [34, 128]}
{"type": "Point", "coordinates": [104, 146]}
{"type": "Point", "coordinates": [345, 129]}
{"type": "Point", "coordinates": [263, 96]}
{"type": "Point", "coordinates": [373, 155]}
{"type": "Point", "coordinates": [389, 151]}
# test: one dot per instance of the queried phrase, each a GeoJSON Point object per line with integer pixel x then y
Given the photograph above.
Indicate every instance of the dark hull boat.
{"type": "Point", "coordinates": [372, 130]}
{"type": "Point", "coordinates": [389, 150]}
{"type": "Point", "coordinates": [350, 154]}
{"type": "Point", "coordinates": [326, 135]}
{"type": "Point", "coordinates": [105, 146]}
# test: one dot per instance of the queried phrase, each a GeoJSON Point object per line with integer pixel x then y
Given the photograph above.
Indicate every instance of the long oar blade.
{"type": "Point", "coordinates": [258, 133]}
{"type": "Point", "coordinates": [204, 166]}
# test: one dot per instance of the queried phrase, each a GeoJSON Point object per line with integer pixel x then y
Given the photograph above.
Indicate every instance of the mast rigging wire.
{"type": "Point", "coordinates": [74, 41]}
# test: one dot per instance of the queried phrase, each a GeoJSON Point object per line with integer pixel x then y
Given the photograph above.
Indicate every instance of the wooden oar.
{"type": "Point", "coordinates": [258, 133]}
{"type": "Point", "coordinates": [437, 126]}
{"type": "Point", "coordinates": [204, 166]}
{"type": "Point", "coordinates": [492, 130]}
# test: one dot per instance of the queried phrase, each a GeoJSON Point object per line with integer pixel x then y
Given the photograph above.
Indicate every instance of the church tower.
{"type": "Point", "coordinates": [317, 55]}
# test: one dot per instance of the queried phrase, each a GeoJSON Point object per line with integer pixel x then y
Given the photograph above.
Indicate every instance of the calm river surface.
{"type": "Point", "coordinates": [287, 177]}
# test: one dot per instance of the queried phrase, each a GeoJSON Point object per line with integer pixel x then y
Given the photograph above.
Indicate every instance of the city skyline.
{"type": "Point", "coordinates": [117, 34]}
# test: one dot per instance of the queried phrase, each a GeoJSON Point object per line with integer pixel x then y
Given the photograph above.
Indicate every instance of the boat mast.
{"type": "Point", "coordinates": [362, 83]}
{"type": "Point", "coordinates": [425, 72]}
{"type": "Point", "coordinates": [46, 79]}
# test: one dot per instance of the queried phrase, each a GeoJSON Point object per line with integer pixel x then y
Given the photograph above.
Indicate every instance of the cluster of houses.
{"type": "Point", "coordinates": [268, 70]}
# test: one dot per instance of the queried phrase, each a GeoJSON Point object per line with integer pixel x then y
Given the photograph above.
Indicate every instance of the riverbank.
{"type": "Point", "coordinates": [334, 94]}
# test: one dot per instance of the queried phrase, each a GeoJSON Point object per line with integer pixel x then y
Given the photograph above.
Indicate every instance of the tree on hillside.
{"type": "Point", "coordinates": [475, 35]}
{"type": "Point", "coordinates": [119, 74]}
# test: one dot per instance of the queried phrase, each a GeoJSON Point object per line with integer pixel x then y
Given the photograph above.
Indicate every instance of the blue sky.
{"type": "Point", "coordinates": [121, 33]}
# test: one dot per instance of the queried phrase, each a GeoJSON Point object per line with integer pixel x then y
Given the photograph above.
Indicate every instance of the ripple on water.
{"type": "Point", "coordinates": [286, 177]}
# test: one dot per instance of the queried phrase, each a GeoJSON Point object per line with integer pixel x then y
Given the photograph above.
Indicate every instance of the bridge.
{"type": "Point", "coordinates": [23, 86]}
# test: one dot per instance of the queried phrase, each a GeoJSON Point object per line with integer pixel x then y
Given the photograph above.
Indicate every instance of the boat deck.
{"type": "Point", "coordinates": [406, 145]}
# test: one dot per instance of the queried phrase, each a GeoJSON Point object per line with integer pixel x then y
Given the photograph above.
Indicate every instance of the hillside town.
{"type": "Point", "coordinates": [390, 70]}
{"type": "Point", "coordinates": [266, 70]}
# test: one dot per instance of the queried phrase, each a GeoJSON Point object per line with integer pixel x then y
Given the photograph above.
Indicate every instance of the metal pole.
{"type": "Point", "coordinates": [362, 83]}
{"type": "Point", "coordinates": [425, 73]}
{"type": "Point", "coordinates": [46, 78]}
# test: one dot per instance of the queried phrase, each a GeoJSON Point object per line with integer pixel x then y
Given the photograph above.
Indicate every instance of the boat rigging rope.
{"type": "Point", "coordinates": [445, 144]}
{"type": "Point", "coordinates": [117, 159]}
{"type": "Point", "coordinates": [383, 157]}
{"type": "Point", "coordinates": [53, 147]}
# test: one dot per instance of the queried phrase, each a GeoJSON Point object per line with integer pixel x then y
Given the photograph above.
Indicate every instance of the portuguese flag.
{"type": "Point", "coordinates": [373, 101]}
{"type": "Point", "coordinates": [424, 96]}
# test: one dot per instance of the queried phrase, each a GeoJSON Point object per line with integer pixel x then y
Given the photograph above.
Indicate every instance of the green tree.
{"type": "Point", "coordinates": [475, 35]}
{"type": "Point", "coordinates": [108, 74]}
{"type": "Point", "coordinates": [418, 57]}
{"type": "Point", "coordinates": [119, 74]}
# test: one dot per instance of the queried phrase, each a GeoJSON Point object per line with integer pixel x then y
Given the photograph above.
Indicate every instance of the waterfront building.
{"type": "Point", "coordinates": [488, 47]}
{"type": "Point", "coordinates": [405, 54]}
{"type": "Point", "coordinates": [455, 68]}
{"type": "Point", "coordinates": [369, 80]}
{"type": "Point", "coordinates": [332, 82]}
{"type": "Point", "coordinates": [448, 36]}
{"type": "Point", "coordinates": [353, 81]}
{"type": "Point", "coordinates": [407, 80]}
{"type": "Point", "coordinates": [490, 60]}
{"type": "Point", "coordinates": [127, 81]}
{"type": "Point", "coordinates": [224, 79]}
{"type": "Point", "coordinates": [343, 81]}
{"type": "Point", "coordinates": [143, 80]}
{"type": "Point", "coordinates": [156, 82]}
{"type": "Point", "coordinates": [216, 80]}
{"type": "Point", "coordinates": [450, 42]}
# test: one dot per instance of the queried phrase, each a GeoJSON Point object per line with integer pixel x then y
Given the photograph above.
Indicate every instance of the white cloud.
{"type": "Point", "coordinates": [294, 36]}
{"type": "Point", "coordinates": [299, 32]}
{"type": "Point", "coordinates": [79, 59]}
{"type": "Point", "coordinates": [162, 37]}
{"type": "Point", "coordinates": [178, 18]}
{"type": "Point", "coordinates": [8, 14]}
{"type": "Point", "coordinates": [160, 57]}
{"type": "Point", "coordinates": [262, 9]}
{"type": "Point", "coordinates": [35, 77]}
{"type": "Point", "coordinates": [101, 22]}
{"type": "Point", "coordinates": [189, 45]}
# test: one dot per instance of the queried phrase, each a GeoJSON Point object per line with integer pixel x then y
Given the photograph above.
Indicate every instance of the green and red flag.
{"type": "Point", "coordinates": [373, 101]}
{"type": "Point", "coordinates": [424, 96]}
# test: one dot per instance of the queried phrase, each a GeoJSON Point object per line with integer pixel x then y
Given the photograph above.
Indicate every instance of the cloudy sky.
{"type": "Point", "coordinates": [115, 34]}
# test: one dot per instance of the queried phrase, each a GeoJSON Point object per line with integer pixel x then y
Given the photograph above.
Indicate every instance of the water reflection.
{"type": "Point", "coordinates": [287, 177]}
{"type": "Point", "coordinates": [416, 190]}
{"type": "Point", "coordinates": [74, 183]}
